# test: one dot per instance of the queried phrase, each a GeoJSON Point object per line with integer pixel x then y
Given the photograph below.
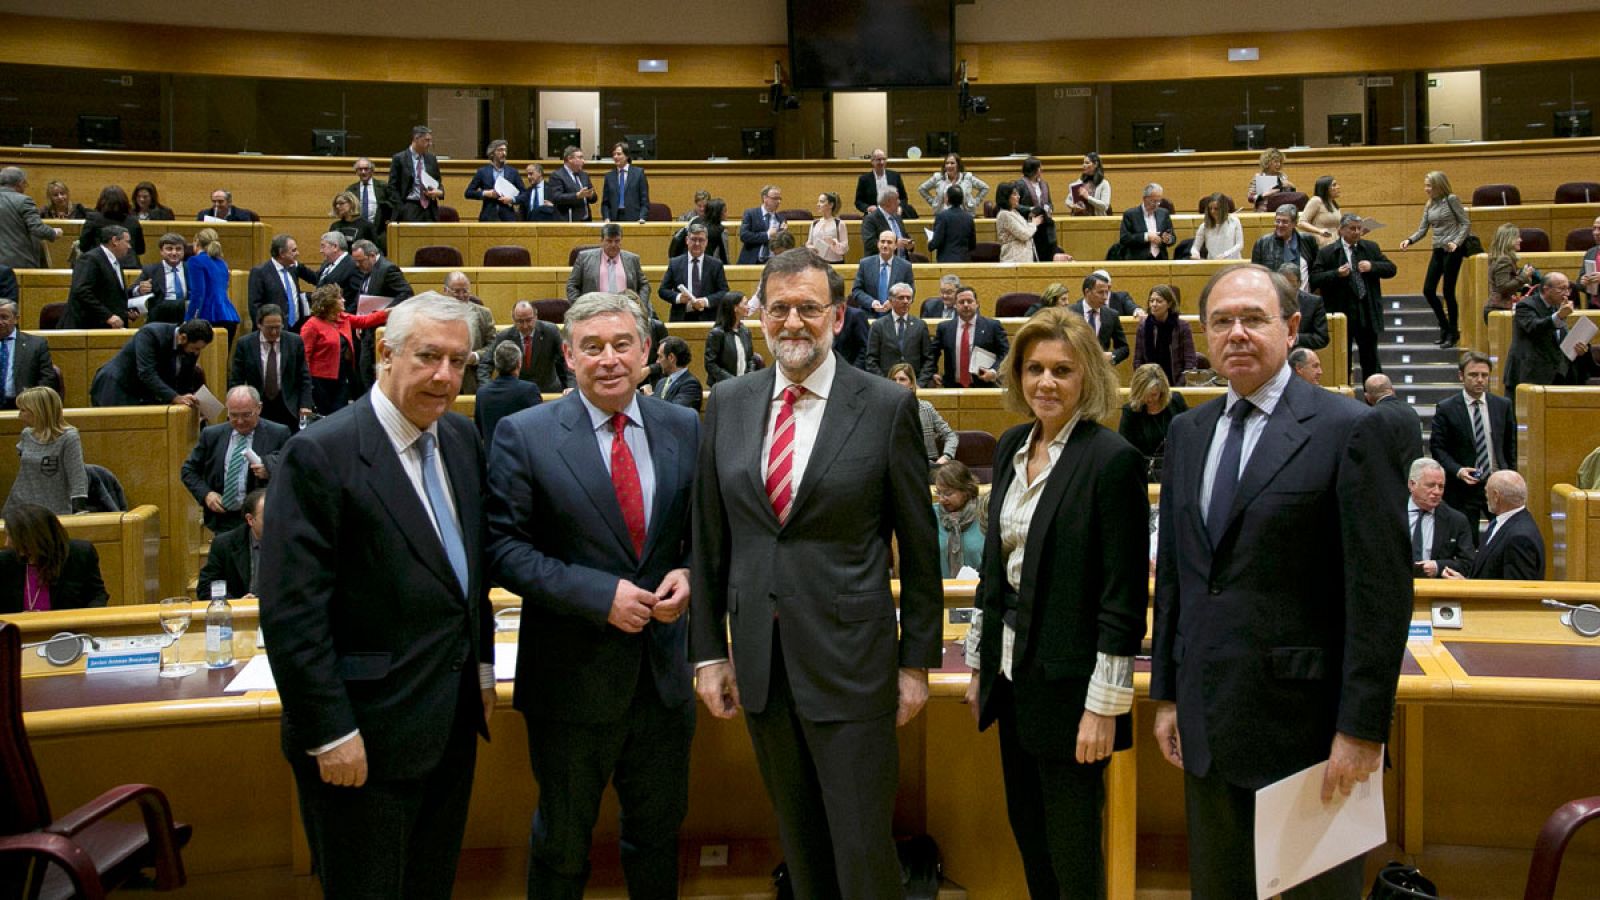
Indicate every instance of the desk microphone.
{"type": "Point", "coordinates": [65, 648]}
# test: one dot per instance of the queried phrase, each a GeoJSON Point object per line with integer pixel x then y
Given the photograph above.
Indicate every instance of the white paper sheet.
{"type": "Point", "coordinates": [139, 304]}
{"type": "Point", "coordinates": [428, 181]}
{"type": "Point", "coordinates": [367, 304]}
{"type": "Point", "coordinates": [1298, 837]}
{"type": "Point", "coordinates": [255, 676]}
{"type": "Point", "coordinates": [505, 660]}
{"type": "Point", "coordinates": [505, 188]}
{"type": "Point", "coordinates": [1582, 330]}
{"type": "Point", "coordinates": [1266, 183]}
{"type": "Point", "coordinates": [208, 402]}
{"type": "Point", "coordinates": [981, 359]}
{"type": "Point", "coordinates": [212, 219]}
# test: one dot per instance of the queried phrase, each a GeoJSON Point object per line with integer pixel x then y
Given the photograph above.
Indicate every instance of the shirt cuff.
{"type": "Point", "coordinates": [707, 662]}
{"type": "Point", "coordinates": [486, 676]}
{"type": "Point", "coordinates": [331, 745]}
{"type": "Point", "coordinates": [1110, 686]}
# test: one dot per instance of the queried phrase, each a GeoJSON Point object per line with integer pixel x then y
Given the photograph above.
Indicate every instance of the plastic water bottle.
{"type": "Point", "coordinates": [219, 628]}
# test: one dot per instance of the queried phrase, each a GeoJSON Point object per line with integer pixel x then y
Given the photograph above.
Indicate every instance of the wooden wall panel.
{"type": "Point", "coordinates": [1575, 529]}
{"type": "Point", "coordinates": [1558, 427]}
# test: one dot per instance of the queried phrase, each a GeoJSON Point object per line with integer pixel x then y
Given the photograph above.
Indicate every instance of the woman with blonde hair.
{"type": "Point", "coordinates": [1509, 277]}
{"type": "Point", "coordinates": [1447, 218]}
{"type": "Point", "coordinates": [1052, 296]}
{"type": "Point", "coordinates": [348, 220]}
{"type": "Point", "coordinates": [1151, 408]}
{"type": "Point", "coordinates": [207, 274]}
{"type": "Point", "coordinates": [939, 440]}
{"type": "Point", "coordinates": [50, 471]}
{"type": "Point", "coordinates": [1269, 179]}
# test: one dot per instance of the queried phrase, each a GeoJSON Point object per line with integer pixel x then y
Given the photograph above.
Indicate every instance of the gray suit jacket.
{"type": "Point", "coordinates": [585, 276]}
{"type": "Point", "coordinates": [21, 231]}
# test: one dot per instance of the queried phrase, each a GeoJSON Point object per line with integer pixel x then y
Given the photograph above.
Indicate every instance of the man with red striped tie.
{"type": "Point", "coordinates": [807, 470]}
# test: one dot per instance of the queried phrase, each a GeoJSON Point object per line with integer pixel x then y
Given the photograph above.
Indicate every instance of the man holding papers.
{"type": "Point", "coordinates": [972, 346]}
{"type": "Point", "coordinates": [1271, 654]}
{"type": "Point", "coordinates": [415, 180]}
{"type": "Point", "coordinates": [497, 185]}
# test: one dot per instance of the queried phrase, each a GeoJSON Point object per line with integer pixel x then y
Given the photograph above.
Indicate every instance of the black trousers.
{"type": "Point", "coordinates": [832, 785]}
{"type": "Point", "coordinates": [1447, 264]}
{"type": "Point", "coordinates": [1054, 804]}
{"type": "Point", "coordinates": [412, 211]}
{"type": "Point", "coordinates": [1364, 348]}
{"type": "Point", "coordinates": [1222, 819]}
{"type": "Point", "coordinates": [277, 410]}
{"type": "Point", "coordinates": [646, 755]}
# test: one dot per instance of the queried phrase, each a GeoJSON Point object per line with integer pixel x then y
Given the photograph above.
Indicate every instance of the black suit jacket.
{"type": "Point", "coordinates": [158, 308]}
{"type": "Point", "coordinates": [265, 286]}
{"type": "Point", "coordinates": [1512, 552]}
{"type": "Point", "coordinates": [402, 179]}
{"type": "Point", "coordinates": [228, 560]}
{"type": "Point", "coordinates": [78, 587]}
{"type": "Point", "coordinates": [294, 374]}
{"type": "Point", "coordinates": [384, 200]}
{"type": "Point", "coordinates": [987, 333]}
{"type": "Point", "coordinates": [867, 193]}
{"type": "Point", "coordinates": [379, 635]}
{"type": "Point", "coordinates": [685, 391]}
{"type": "Point", "coordinates": [547, 367]}
{"type": "Point", "coordinates": [876, 222]}
{"type": "Point", "coordinates": [1131, 236]}
{"type": "Point", "coordinates": [494, 210]}
{"type": "Point", "coordinates": [206, 468]}
{"type": "Point", "coordinates": [30, 365]}
{"type": "Point", "coordinates": [148, 370]}
{"type": "Point", "coordinates": [500, 398]}
{"type": "Point", "coordinates": [235, 214]}
{"type": "Point", "coordinates": [915, 348]}
{"type": "Point", "coordinates": [563, 189]}
{"type": "Point", "coordinates": [1400, 431]}
{"type": "Point", "coordinates": [559, 542]}
{"type": "Point", "coordinates": [615, 207]}
{"type": "Point", "coordinates": [1450, 444]}
{"type": "Point", "coordinates": [1338, 296]}
{"type": "Point", "coordinates": [713, 286]}
{"type": "Point", "coordinates": [1313, 334]}
{"type": "Point", "coordinates": [1084, 584]}
{"type": "Point", "coordinates": [1536, 356]}
{"type": "Point", "coordinates": [954, 236]}
{"type": "Point", "coordinates": [1270, 646]}
{"type": "Point", "coordinates": [722, 357]}
{"type": "Point", "coordinates": [8, 283]}
{"type": "Point", "coordinates": [385, 280]}
{"type": "Point", "coordinates": [1452, 544]}
{"type": "Point", "coordinates": [342, 273]}
{"type": "Point", "coordinates": [97, 293]}
{"type": "Point", "coordinates": [851, 341]}
{"type": "Point", "coordinates": [1110, 334]}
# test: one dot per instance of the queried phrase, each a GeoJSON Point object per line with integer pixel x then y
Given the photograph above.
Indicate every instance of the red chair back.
{"type": "Point", "coordinates": [986, 251]}
{"type": "Point", "coordinates": [1535, 240]}
{"type": "Point", "coordinates": [506, 256]}
{"type": "Point", "coordinates": [1014, 304]}
{"type": "Point", "coordinates": [26, 808]}
{"type": "Point", "coordinates": [437, 256]}
{"type": "Point", "coordinates": [1497, 195]}
{"type": "Point", "coordinates": [658, 212]}
{"type": "Point", "coordinates": [572, 257]}
{"type": "Point", "coordinates": [1552, 844]}
{"type": "Point", "coordinates": [975, 450]}
{"type": "Point", "coordinates": [794, 215]}
{"type": "Point", "coordinates": [1578, 192]}
{"type": "Point", "coordinates": [449, 214]}
{"type": "Point", "coordinates": [50, 316]}
{"type": "Point", "coordinates": [1296, 198]}
{"type": "Point", "coordinates": [554, 311]}
{"type": "Point", "coordinates": [1579, 240]}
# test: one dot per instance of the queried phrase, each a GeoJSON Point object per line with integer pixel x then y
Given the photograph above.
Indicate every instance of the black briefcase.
{"type": "Point", "coordinates": [1397, 881]}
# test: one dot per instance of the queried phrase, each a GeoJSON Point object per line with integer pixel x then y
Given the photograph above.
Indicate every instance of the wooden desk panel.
{"type": "Point", "coordinates": [40, 287]}
{"type": "Point", "coordinates": [246, 244]}
{"type": "Point", "coordinates": [1558, 427]}
{"type": "Point", "coordinates": [1575, 528]}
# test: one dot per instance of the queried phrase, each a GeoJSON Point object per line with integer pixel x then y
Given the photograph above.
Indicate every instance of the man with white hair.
{"type": "Point", "coordinates": [1440, 537]}
{"type": "Point", "coordinates": [459, 286]}
{"type": "Point", "coordinates": [1306, 365]}
{"type": "Point", "coordinates": [1513, 548]}
{"type": "Point", "coordinates": [232, 459]}
{"type": "Point", "coordinates": [21, 228]}
{"type": "Point", "coordinates": [1146, 230]}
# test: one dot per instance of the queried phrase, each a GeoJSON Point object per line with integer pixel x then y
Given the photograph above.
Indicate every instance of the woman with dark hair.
{"type": "Point", "coordinates": [348, 220]}
{"type": "Point", "coordinates": [716, 235]}
{"type": "Point", "coordinates": [956, 512]}
{"type": "Point", "coordinates": [1447, 218]}
{"type": "Point", "coordinates": [729, 349]}
{"type": "Point", "coordinates": [1164, 338]}
{"type": "Point", "coordinates": [147, 204]}
{"type": "Point", "coordinates": [1013, 231]}
{"type": "Point", "coordinates": [1321, 218]}
{"type": "Point", "coordinates": [953, 174]}
{"type": "Point", "coordinates": [828, 238]}
{"type": "Point", "coordinates": [331, 345]}
{"type": "Point", "coordinates": [41, 569]}
{"type": "Point", "coordinates": [208, 276]}
{"type": "Point", "coordinates": [58, 203]}
{"type": "Point", "coordinates": [1220, 236]}
{"type": "Point", "coordinates": [113, 208]}
{"type": "Point", "coordinates": [1091, 193]}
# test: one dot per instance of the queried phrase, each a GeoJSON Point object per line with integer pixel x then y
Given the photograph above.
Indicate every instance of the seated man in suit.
{"type": "Point", "coordinates": [1146, 230]}
{"type": "Point", "coordinates": [1313, 318]}
{"type": "Point", "coordinates": [165, 282]}
{"type": "Point", "coordinates": [695, 283]}
{"type": "Point", "coordinates": [900, 338]}
{"type": "Point", "coordinates": [222, 209]}
{"type": "Point", "coordinates": [338, 267]}
{"type": "Point", "coordinates": [232, 459]}
{"type": "Point", "coordinates": [1473, 434]}
{"type": "Point", "coordinates": [534, 204]}
{"type": "Point", "coordinates": [233, 554]}
{"type": "Point", "coordinates": [1306, 365]}
{"type": "Point", "coordinates": [459, 286]}
{"type": "Point", "coordinates": [1512, 548]}
{"type": "Point", "coordinates": [759, 225]}
{"type": "Point", "coordinates": [1539, 325]}
{"type": "Point", "coordinates": [277, 281]}
{"type": "Point", "coordinates": [1440, 538]}
{"type": "Point", "coordinates": [497, 207]}
{"type": "Point", "coordinates": [870, 187]}
{"type": "Point", "coordinates": [886, 218]}
{"type": "Point", "coordinates": [24, 359]}
{"type": "Point", "coordinates": [677, 384]}
{"type": "Point", "coordinates": [1399, 427]}
{"type": "Point", "coordinates": [1286, 245]}
{"type": "Point", "coordinates": [373, 199]}
{"type": "Point", "coordinates": [955, 235]}
{"type": "Point", "coordinates": [542, 361]}
{"type": "Point", "coordinates": [609, 269]}
{"type": "Point", "coordinates": [1121, 302]}
{"type": "Point", "coordinates": [414, 179]}
{"type": "Point", "coordinates": [155, 367]}
{"type": "Point", "coordinates": [571, 192]}
{"type": "Point", "coordinates": [273, 361]}
{"type": "Point", "coordinates": [627, 191]}
{"type": "Point", "coordinates": [1104, 321]}
{"type": "Point", "coordinates": [876, 274]}
{"type": "Point", "coordinates": [506, 393]}
{"type": "Point", "coordinates": [944, 305]}
{"type": "Point", "coordinates": [98, 297]}
{"type": "Point", "coordinates": [956, 339]}
{"type": "Point", "coordinates": [1348, 273]}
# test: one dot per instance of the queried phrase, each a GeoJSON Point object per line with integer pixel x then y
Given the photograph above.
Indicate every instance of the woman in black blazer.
{"type": "Point", "coordinates": [41, 569]}
{"type": "Point", "coordinates": [1065, 571]}
{"type": "Point", "coordinates": [722, 355]}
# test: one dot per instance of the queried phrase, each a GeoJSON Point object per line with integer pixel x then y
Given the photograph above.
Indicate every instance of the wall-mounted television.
{"type": "Point", "coordinates": [1149, 137]}
{"type": "Point", "coordinates": [847, 44]}
{"type": "Point", "coordinates": [1344, 129]}
{"type": "Point", "coordinates": [100, 132]}
{"type": "Point", "coordinates": [1572, 123]}
{"type": "Point", "coordinates": [1249, 137]}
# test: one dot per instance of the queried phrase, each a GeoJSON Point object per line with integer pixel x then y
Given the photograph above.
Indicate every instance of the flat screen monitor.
{"type": "Point", "coordinates": [640, 146]}
{"type": "Point", "coordinates": [941, 144]}
{"type": "Point", "coordinates": [1149, 136]}
{"type": "Point", "coordinates": [845, 44]}
{"type": "Point", "coordinates": [1574, 123]}
{"type": "Point", "coordinates": [1344, 129]}
{"type": "Point", "coordinates": [758, 143]}
{"type": "Point", "coordinates": [1249, 137]}
{"type": "Point", "coordinates": [100, 132]}
{"type": "Point", "coordinates": [559, 139]}
{"type": "Point", "coordinates": [327, 141]}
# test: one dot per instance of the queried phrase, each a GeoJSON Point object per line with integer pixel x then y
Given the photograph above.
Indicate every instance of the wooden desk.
{"type": "Point", "coordinates": [1575, 528]}
{"type": "Point", "coordinates": [40, 287]}
{"type": "Point", "coordinates": [245, 244]}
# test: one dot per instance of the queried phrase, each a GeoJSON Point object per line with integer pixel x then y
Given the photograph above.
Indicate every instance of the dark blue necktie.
{"type": "Point", "coordinates": [1225, 486]}
{"type": "Point", "coordinates": [5, 367]}
{"type": "Point", "coordinates": [290, 306]}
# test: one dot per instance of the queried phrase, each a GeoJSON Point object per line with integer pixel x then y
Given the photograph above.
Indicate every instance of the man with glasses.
{"type": "Point", "coordinates": [1348, 273]}
{"type": "Point", "coordinates": [794, 556]}
{"type": "Point", "coordinates": [1538, 326]}
{"type": "Point", "coordinates": [1272, 655]}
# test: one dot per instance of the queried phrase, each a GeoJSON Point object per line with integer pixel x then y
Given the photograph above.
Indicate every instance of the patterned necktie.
{"type": "Point", "coordinates": [625, 481]}
{"type": "Point", "coordinates": [233, 476]}
{"type": "Point", "coordinates": [422, 189]}
{"type": "Point", "coordinates": [964, 356]}
{"type": "Point", "coordinates": [1480, 439]}
{"type": "Point", "coordinates": [5, 369]}
{"type": "Point", "coordinates": [269, 381]}
{"type": "Point", "coordinates": [1357, 283]}
{"type": "Point", "coordinates": [780, 461]}
{"type": "Point", "coordinates": [1225, 486]}
{"type": "Point", "coordinates": [449, 530]}
{"type": "Point", "coordinates": [291, 302]}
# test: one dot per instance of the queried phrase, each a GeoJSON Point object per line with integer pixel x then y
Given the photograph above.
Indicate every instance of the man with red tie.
{"type": "Point", "coordinates": [414, 179]}
{"type": "Point", "coordinates": [589, 523]}
{"type": "Point", "coordinates": [956, 339]}
{"type": "Point", "coordinates": [542, 360]}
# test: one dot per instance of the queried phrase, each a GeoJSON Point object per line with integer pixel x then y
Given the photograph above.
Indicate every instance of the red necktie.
{"type": "Point", "coordinates": [422, 189]}
{"type": "Point", "coordinates": [780, 462]}
{"type": "Point", "coordinates": [964, 357]}
{"type": "Point", "coordinates": [527, 352]}
{"type": "Point", "coordinates": [625, 481]}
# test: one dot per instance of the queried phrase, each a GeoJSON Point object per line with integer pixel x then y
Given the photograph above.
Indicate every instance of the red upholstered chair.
{"type": "Point", "coordinates": [1497, 195]}
{"type": "Point", "coordinates": [794, 215]}
{"type": "Point", "coordinates": [50, 316]}
{"type": "Point", "coordinates": [1578, 192]}
{"type": "Point", "coordinates": [1552, 843]}
{"type": "Point", "coordinates": [449, 214]}
{"type": "Point", "coordinates": [986, 251]}
{"type": "Point", "coordinates": [84, 853]}
{"type": "Point", "coordinates": [1579, 240]}
{"type": "Point", "coordinates": [437, 256]}
{"type": "Point", "coordinates": [554, 311]}
{"type": "Point", "coordinates": [988, 209]}
{"type": "Point", "coordinates": [919, 258]}
{"type": "Point", "coordinates": [507, 255]}
{"type": "Point", "coordinates": [1167, 205]}
{"type": "Point", "coordinates": [1297, 198]}
{"type": "Point", "coordinates": [975, 450]}
{"type": "Point", "coordinates": [658, 212]}
{"type": "Point", "coordinates": [1014, 305]}
{"type": "Point", "coordinates": [1535, 240]}
{"type": "Point", "coordinates": [572, 256]}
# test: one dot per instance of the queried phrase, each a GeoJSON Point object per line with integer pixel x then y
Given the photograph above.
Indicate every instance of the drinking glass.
{"type": "Point", "coordinates": [175, 616]}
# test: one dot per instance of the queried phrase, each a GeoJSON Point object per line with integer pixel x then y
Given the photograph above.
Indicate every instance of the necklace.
{"type": "Point", "coordinates": [32, 590]}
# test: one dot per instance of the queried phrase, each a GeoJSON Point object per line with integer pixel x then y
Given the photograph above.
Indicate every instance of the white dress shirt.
{"type": "Point", "coordinates": [1488, 429]}
{"type": "Point", "coordinates": [1265, 400]}
{"type": "Point", "coordinates": [1412, 511]}
{"type": "Point", "coordinates": [807, 417]}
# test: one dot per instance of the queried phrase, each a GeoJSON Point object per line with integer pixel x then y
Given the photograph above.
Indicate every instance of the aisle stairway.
{"type": "Point", "coordinates": [1422, 373]}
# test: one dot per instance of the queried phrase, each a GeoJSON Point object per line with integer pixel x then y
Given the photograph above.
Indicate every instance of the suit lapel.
{"type": "Point", "coordinates": [1055, 487]}
{"type": "Point", "coordinates": [759, 409]}
{"type": "Point", "coordinates": [1280, 440]}
{"type": "Point", "coordinates": [839, 418]}
{"type": "Point", "coordinates": [387, 480]}
{"type": "Point", "coordinates": [664, 460]}
{"type": "Point", "coordinates": [581, 454]}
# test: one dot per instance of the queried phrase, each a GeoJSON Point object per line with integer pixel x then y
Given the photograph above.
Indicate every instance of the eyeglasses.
{"type": "Point", "coordinates": [811, 312]}
{"type": "Point", "coordinates": [1584, 619]}
{"type": "Point", "coordinates": [1255, 322]}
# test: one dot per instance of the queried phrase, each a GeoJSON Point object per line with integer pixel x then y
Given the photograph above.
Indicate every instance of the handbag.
{"type": "Point", "coordinates": [1398, 881]}
{"type": "Point", "coordinates": [1469, 246]}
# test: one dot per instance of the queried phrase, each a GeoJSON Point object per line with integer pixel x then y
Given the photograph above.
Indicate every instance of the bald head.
{"type": "Point", "coordinates": [1505, 491]}
{"type": "Point", "coordinates": [1378, 387]}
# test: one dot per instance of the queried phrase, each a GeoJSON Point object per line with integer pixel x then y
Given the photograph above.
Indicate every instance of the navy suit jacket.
{"type": "Point", "coordinates": [1110, 336]}
{"type": "Point", "coordinates": [851, 342]}
{"type": "Point", "coordinates": [265, 286]}
{"type": "Point", "coordinates": [865, 289]}
{"type": "Point", "coordinates": [558, 540]}
{"type": "Point", "coordinates": [494, 210]}
{"type": "Point", "coordinates": [544, 210]}
{"type": "Point", "coordinates": [1512, 552]}
{"type": "Point", "coordinates": [1450, 443]}
{"type": "Point", "coordinates": [686, 391]}
{"type": "Point", "coordinates": [955, 236]}
{"type": "Point", "coordinates": [149, 370]}
{"type": "Point", "coordinates": [563, 189]}
{"type": "Point", "coordinates": [8, 283]}
{"type": "Point", "coordinates": [206, 468]}
{"type": "Point", "coordinates": [96, 294]}
{"type": "Point", "coordinates": [158, 309]}
{"type": "Point", "coordinates": [988, 334]}
{"type": "Point", "coordinates": [235, 214]}
{"type": "Point", "coordinates": [1131, 236]}
{"type": "Point", "coordinates": [631, 205]}
{"type": "Point", "coordinates": [753, 235]}
{"type": "Point", "coordinates": [500, 398]}
{"type": "Point", "coordinates": [713, 287]}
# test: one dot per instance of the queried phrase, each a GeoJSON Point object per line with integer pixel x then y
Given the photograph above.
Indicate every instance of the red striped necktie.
{"type": "Point", "coordinates": [780, 461]}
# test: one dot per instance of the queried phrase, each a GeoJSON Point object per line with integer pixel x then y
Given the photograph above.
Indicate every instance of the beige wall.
{"type": "Point", "coordinates": [861, 124]}
{"type": "Point", "coordinates": [453, 116]}
{"type": "Point", "coordinates": [1456, 98]}
{"type": "Point", "coordinates": [580, 107]}
{"type": "Point", "coordinates": [1330, 96]}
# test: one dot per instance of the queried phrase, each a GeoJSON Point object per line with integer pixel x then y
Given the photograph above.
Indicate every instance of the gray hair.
{"type": "Point", "coordinates": [890, 194]}
{"type": "Point", "coordinates": [5, 302]}
{"type": "Point", "coordinates": [595, 304]}
{"type": "Point", "coordinates": [767, 189]}
{"type": "Point", "coordinates": [950, 279]}
{"type": "Point", "coordinates": [1290, 271]}
{"type": "Point", "coordinates": [1423, 464]}
{"type": "Point", "coordinates": [279, 243]}
{"type": "Point", "coordinates": [1299, 357]}
{"type": "Point", "coordinates": [457, 274]}
{"type": "Point", "coordinates": [1151, 188]}
{"type": "Point", "coordinates": [523, 304]}
{"type": "Point", "coordinates": [11, 176]}
{"type": "Point", "coordinates": [365, 246]}
{"type": "Point", "coordinates": [610, 230]}
{"type": "Point", "coordinates": [337, 239]}
{"type": "Point", "coordinates": [900, 286]}
{"type": "Point", "coordinates": [1292, 213]}
{"type": "Point", "coordinates": [694, 228]}
{"type": "Point", "coordinates": [507, 358]}
{"type": "Point", "coordinates": [247, 390]}
{"type": "Point", "coordinates": [109, 233]}
{"type": "Point", "coordinates": [1345, 219]}
{"type": "Point", "coordinates": [430, 305]}
{"type": "Point", "coordinates": [494, 145]}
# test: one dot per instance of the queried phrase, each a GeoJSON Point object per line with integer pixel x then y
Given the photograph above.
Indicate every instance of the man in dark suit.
{"type": "Point", "coordinates": [944, 305]}
{"type": "Point", "coordinates": [1512, 548]}
{"type": "Point", "coordinates": [373, 198]}
{"type": "Point", "coordinates": [24, 359]}
{"type": "Point", "coordinates": [377, 276]}
{"type": "Point", "coordinates": [277, 281]}
{"type": "Point", "coordinates": [1313, 318]}
{"type": "Point", "coordinates": [506, 393]}
{"type": "Point", "coordinates": [543, 362]}
{"type": "Point", "coordinates": [414, 180]}
{"type": "Point", "coordinates": [338, 267]}
{"type": "Point", "coordinates": [1440, 537]}
{"type": "Point", "coordinates": [886, 219]}
{"type": "Point", "coordinates": [222, 208]}
{"type": "Point", "coordinates": [1539, 325]}
{"type": "Point", "coordinates": [871, 186]}
{"type": "Point", "coordinates": [695, 283]}
{"type": "Point", "coordinates": [1102, 319]}
{"type": "Point", "coordinates": [1398, 425]}
{"type": "Point", "coordinates": [8, 283]}
{"type": "Point", "coordinates": [497, 207]}
{"type": "Point", "coordinates": [233, 554]}
{"type": "Point", "coordinates": [1146, 230]}
{"type": "Point", "coordinates": [534, 205]}
{"type": "Point", "coordinates": [850, 344]}
{"type": "Point", "coordinates": [627, 191]}
{"type": "Point", "coordinates": [793, 522]}
{"type": "Point", "coordinates": [1306, 365]}
{"type": "Point", "coordinates": [164, 282]}
{"type": "Point", "coordinates": [155, 367]}
{"type": "Point", "coordinates": [955, 235]}
{"type": "Point", "coordinates": [607, 268]}
{"type": "Point", "coordinates": [900, 338]}
{"type": "Point", "coordinates": [1286, 245]}
{"type": "Point", "coordinates": [955, 339]}
{"type": "Point", "coordinates": [1474, 433]}
{"type": "Point", "coordinates": [877, 274]}
{"type": "Point", "coordinates": [677, 385]}
{"type": "Point", "coordinates": [232, 459]}
{"type": "Point", "coordinates": [273, 361]}
{"type": "Point", "coordinates": [759, 225]}
{"type": "Point", "coordinates": [1271, 654]}
{"type": "Point", "coordinates": [98, 298]}
{"type": "Point", "coordinates": [589, 512]}
{"type": "Point", "coordinates": [571, 192]}
{"type": "Point", "coordinates": [1348, 274]}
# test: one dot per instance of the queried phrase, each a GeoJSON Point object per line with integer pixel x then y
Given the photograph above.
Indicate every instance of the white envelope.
{"type": "Point", "coordinates": [1298, 837]}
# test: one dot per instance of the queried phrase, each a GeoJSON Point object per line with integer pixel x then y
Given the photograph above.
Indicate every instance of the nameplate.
{"type": "Point", "coordinates": [1421, 631]}
{"type": "Point", "coordinates": [121, 660]}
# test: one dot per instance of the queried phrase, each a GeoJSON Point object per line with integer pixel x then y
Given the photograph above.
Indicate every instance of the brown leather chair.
{"type": "Point", "coordinates": [449, 214]}
{"type": "Point", "coordinates": [794, 215]}
{"type": "Point", "coordinates": [507, 256]}
{"type": "Point", "coordinates": [988, 209]}
{"type": "Point", "coordinates": [50, 316]}
{"type": "Point", "coordinates": [437, 256]}
{"type": "Point", "coordinates": [975, 450]}
{"type": "Point", "coordinates": [1579, 240]}
{"type": "Point", "coordinates": [572, 255]}
{"type": "Point", "coordinates": [1496, 195]}
{"type": "Point", "coordinates": [1535, 240]}
{"type": "Point", "coordinates": [88, 851]}
{"type": "Point", "coordinates": [1014, 305]}
{"type": "Point", "coordinates": [986, 251]}
{"type": "Point", "coordinates": [918, 258]}
{"type": "Point", "coordinates": [551, 310]}
{"type": "Point", "coordinates": [658, 212]}
{"type": "Point", "coordinates": [1297, 198]}
{"type": "Point", "coordinates": [1552, 843]}
{"type": "Point", "coordinates": [1578, 192]}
